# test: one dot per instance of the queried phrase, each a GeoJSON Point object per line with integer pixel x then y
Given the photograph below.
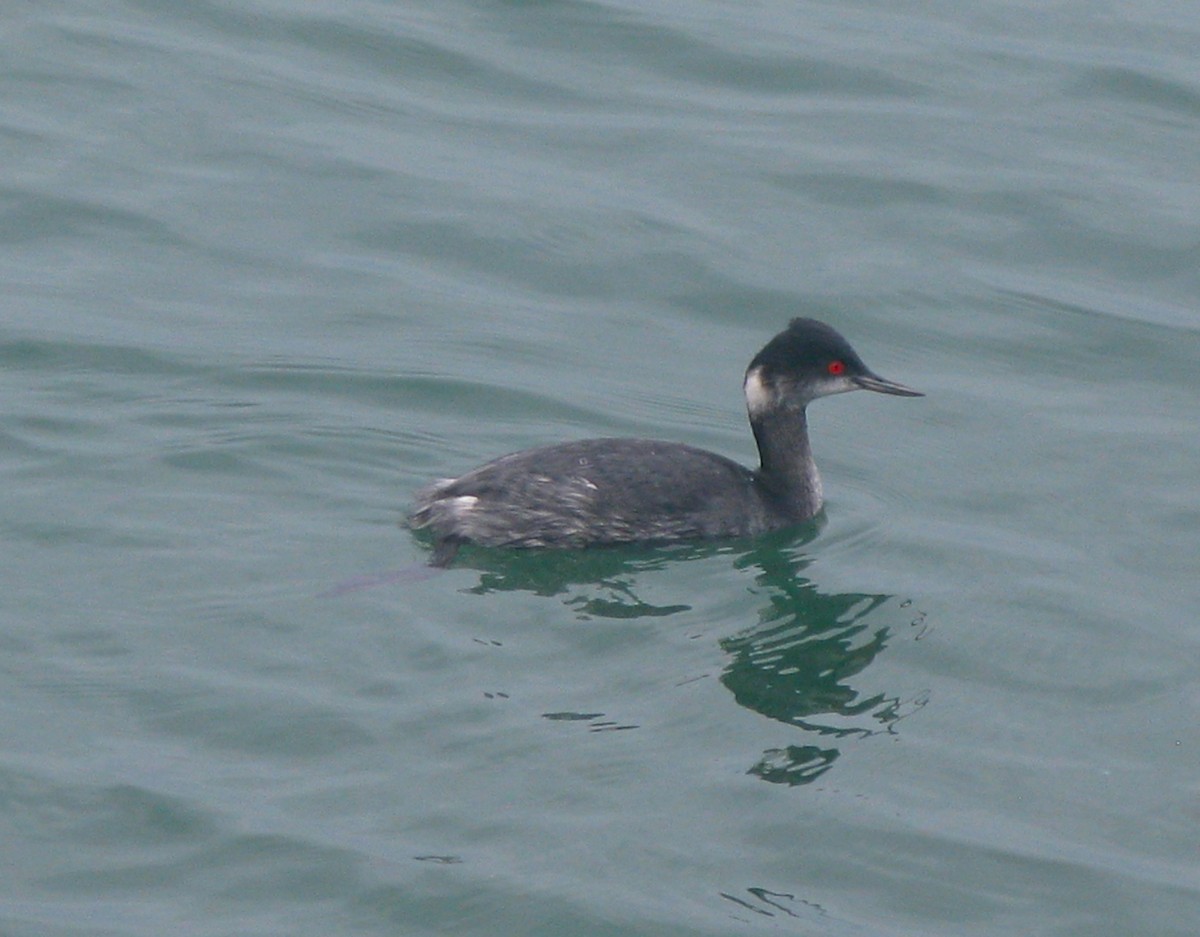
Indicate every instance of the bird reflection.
{"type": "Point", "coordinates": [798, 665]}
{"type": "Point", "coordinates": [801, 663]}
{"type": "Point", "coordinates": [604, 579]}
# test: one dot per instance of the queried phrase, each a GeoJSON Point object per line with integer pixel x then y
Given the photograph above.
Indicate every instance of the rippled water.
{"type": "Point", "coordinates": [270, 267]}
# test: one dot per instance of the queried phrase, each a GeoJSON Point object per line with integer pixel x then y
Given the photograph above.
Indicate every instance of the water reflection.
{"type": "Point", "coordinates": [801, 663]}
{"type": "Point", "coordinates": [602, 581]}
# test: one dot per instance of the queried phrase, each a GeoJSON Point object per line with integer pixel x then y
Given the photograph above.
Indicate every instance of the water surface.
{"type": "Point", "coordinates": [270, 268]}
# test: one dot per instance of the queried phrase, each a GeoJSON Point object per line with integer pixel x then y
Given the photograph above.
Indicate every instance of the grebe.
{"type": "Point", "coordinates": [609, 491]}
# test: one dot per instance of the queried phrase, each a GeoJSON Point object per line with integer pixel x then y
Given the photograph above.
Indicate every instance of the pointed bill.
{"type": "Point", "coordinates": [882, 385]}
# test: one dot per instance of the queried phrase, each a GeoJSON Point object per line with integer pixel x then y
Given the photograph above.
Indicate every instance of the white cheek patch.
{"type": "Point", "coordinates": [837, 385]}
{"type": "Point", "coordinates": [759, 397]}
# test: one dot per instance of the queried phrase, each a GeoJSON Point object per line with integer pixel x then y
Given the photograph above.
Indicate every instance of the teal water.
{"type": "Point", "coordinates": [268, 268]}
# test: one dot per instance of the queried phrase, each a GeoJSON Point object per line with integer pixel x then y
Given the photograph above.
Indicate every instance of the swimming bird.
{"type": "Point", "coordinates": [595, 492]}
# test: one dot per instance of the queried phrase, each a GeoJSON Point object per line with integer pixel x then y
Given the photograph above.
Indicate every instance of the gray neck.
{"type": "Point", "coordinates": [787, 471]}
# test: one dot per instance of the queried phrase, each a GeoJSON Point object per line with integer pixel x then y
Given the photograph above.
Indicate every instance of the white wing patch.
{"type": "Point", "coordinates": [462, 505]}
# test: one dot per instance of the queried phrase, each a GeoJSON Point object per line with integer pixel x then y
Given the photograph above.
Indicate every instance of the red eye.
{"type": "Point", "coordinates": [837, 367]}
